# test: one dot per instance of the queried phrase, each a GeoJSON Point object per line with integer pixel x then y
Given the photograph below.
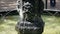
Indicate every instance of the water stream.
{"type": "Point", "coordinates": [20, 11]}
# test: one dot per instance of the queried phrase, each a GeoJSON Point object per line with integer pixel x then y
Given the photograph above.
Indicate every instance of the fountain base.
{"type": "Point", "coordinates": [25, 27]}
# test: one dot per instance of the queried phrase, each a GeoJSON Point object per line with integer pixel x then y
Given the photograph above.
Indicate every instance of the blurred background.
{"type": "Point", "coordinates": [9, 16]}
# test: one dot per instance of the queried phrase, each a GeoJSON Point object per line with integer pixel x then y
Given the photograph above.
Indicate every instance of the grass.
{"type": "Point", "coordinates": [52, 25]}
{"type": "Point", "coordinates": [7, 25]}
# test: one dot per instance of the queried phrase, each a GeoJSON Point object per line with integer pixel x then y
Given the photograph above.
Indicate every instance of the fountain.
{"type": "Point", "coordinates": [26, 25]}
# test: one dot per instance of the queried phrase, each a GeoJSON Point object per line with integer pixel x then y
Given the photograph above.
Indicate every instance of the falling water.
{"type": "Point", "coordinates": [19, 9]}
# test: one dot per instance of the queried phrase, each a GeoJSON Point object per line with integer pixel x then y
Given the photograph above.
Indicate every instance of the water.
{"type": "Point", "coordinates": [19, 9]}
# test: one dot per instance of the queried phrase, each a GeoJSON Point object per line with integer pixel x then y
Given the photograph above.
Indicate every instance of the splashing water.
{"type": "Point", "coordinates": [19, 9]}
{"type": "Point", "coordinates": [21, 15]}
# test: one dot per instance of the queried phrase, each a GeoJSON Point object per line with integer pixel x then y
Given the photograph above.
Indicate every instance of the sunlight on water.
{"type": "Point", "coordinates": [21, 14]}
{"type": "Point", "coordinates": [19, 9]}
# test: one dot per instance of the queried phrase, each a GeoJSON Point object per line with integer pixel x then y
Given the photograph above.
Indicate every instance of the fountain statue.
{"type": "Point", "coordinates": [30, 17]}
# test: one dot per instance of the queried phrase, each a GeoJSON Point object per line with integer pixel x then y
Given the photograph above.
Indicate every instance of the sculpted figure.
{"type": "Point", "coordinates": [32, 22]}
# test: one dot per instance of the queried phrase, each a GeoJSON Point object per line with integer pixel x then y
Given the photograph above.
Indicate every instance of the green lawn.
{"type": "Point", "coordinates": [52, 25]}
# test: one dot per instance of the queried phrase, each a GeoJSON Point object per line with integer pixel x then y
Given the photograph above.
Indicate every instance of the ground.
{"type": "Point", "coordinates": [52, 24]}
